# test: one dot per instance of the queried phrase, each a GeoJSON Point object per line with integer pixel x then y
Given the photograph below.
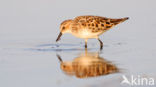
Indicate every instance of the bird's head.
{"type": "Point", "coordinates": [65, 27]}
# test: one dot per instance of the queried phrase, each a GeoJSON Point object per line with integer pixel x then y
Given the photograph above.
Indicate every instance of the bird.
{"type": "Point", "coordinates": [88, 27]}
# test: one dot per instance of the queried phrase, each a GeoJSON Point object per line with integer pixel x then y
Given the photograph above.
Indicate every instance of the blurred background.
{"type": "Point", "coordinates": [28, 29]}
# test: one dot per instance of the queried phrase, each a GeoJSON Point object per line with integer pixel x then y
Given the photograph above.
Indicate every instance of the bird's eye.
{"type": "Point", "coordinates": [63, 28]}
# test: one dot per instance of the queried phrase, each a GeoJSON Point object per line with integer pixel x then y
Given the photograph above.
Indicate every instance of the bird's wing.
{"type": "Point", "coordinates": [94, 23]}
{"type": "Point", "coordinates": [98, 23]}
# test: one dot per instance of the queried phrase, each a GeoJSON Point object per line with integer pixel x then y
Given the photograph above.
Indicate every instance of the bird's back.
{"type": "Point", "coordinates": [97, 23]}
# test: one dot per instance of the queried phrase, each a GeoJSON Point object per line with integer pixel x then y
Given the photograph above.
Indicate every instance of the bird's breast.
{"type": "Point", "coordinates": [85, 33]}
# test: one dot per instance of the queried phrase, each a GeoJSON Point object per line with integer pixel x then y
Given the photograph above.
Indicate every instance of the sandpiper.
{"type": "Point", "coordinates": [88, 27]}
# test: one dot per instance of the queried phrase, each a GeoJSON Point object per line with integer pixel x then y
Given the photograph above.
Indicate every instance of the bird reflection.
{"type": "Point", "coordinates": [88, 64]}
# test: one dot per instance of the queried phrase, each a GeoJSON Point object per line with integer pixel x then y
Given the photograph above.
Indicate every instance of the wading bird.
{"type": "Point", "coordinates": [88, 27]}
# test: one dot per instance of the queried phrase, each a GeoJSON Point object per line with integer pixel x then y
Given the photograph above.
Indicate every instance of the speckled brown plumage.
{"type": "Point", "coordinates": [97, 23]}
{"type": "Point", "coordinates": [87, 27]}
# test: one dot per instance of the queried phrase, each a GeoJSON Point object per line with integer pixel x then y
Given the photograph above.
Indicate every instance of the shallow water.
{"type": "Point", "coordinates": [28, 51]}
{"type": "Point", "coordinates": [39, 66]}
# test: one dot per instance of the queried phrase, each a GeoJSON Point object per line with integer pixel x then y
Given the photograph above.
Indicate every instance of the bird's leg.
{"type": "Point", "coordinates": [101, 44]}
{"type": "Point", "coordinates": [86, 43]}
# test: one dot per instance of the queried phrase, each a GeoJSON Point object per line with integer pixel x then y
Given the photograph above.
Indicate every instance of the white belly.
{"type": "Point", "coordinates": [86, 34]}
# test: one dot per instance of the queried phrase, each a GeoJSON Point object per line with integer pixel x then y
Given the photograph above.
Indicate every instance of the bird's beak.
{"type": "Point", "coordinates": [59, 36]}
{"type": "Point", "coordinates": [59, 57]}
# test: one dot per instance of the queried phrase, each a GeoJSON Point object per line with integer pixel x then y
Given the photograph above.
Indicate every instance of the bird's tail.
{"type": "Point", "coordinates": [124, 19]}
{"type": "Point", "coordinates": [117, 21]}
